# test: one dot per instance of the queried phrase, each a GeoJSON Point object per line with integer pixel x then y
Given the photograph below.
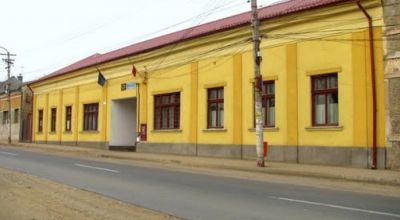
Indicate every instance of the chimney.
{"type": "Point", "coordinates": [19, 77]}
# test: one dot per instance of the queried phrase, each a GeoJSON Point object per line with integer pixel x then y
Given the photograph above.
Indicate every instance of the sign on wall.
{"type": "Point", "coordinates": [128, 86]}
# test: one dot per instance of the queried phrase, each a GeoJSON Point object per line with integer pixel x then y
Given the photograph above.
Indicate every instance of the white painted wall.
{"type": "Point", "coordinates": [14, 132]}
{"type": "Point", "coordinates": [123, 122]}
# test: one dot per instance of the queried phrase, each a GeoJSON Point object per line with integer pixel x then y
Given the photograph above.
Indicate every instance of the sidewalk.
{"type": "Point", "coordinates": [385, 177]}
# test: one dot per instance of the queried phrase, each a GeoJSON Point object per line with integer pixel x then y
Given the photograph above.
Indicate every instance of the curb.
{"type": "Point", "coordinates": [265, 171]}
{"type": "Point", "coordinates": [273, 171]}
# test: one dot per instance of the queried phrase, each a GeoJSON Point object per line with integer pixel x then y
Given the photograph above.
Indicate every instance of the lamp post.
{"type": "Point", "coordinates": [8, 90]}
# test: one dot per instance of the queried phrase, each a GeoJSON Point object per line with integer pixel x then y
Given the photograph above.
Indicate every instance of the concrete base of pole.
{"type": "Point", "coordinates": [260, 162]}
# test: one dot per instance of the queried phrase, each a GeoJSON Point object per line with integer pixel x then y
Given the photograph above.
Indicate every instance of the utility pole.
{"type": "Point", "coordinates": [258, 83]}
{"type": "Point", "coordinates": [9, 62]}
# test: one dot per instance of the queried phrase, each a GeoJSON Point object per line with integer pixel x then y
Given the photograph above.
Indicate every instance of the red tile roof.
{"type": "Point", "coordinates": [273, 11]}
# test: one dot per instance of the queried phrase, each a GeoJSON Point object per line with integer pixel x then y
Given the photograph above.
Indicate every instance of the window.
{"type": "Point", "coordinates": [215, 106]}
{"type": "Point", "coordinates": [68, 118]}
{"type": "Point", "coordinates": [16, 115]}
{"type": "Point", "coordinates": [5, 117]}
{"type": "Point", "coordinates": [40, 121]}
{"type": "Point", "coordinates": [167, 111]}
{"type": "Point", "coordinates": [268, 103]}
{"type": "Point", "coordinates": [53, 120]}
{"type": "Point", "coordinates": [325, 100]}
{"type": "Point", "coordinates": [90, 116]}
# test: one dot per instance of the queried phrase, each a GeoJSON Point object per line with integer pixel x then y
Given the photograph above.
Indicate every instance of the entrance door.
{"type": "Point", "coordinates": [123, 124]}
{"type": "Point", "coordinates": [27, 128]}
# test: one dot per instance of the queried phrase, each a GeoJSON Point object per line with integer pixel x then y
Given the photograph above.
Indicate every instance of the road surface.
{"type": "Point", "coordinates": [198, 196]}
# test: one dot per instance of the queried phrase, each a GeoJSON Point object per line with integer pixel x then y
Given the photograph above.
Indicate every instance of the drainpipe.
{"type": "Point", "coordinates": [138, 133]}
{"type": "Point", "coordinates": [33, 97]}
{"type": "Point", "coordinates": [372, 60]}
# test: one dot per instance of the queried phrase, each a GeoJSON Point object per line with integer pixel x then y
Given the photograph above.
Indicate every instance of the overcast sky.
{"type": "Point", "coordinates": [47, 35]}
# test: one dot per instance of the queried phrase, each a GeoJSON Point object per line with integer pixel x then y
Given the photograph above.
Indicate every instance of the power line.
{"type": "Point", "coordinates": [339, 31]}
{"type": "Point", "coordinates": [276, 36]}
{"type": "Point", "coordinates": [188, 31]}
{"type": "Point", "coordinates": [220, 8]}
{"type": "Point", "coordinates": [187, 20]}
{"type": "Point", "coordinates": [241, 46]}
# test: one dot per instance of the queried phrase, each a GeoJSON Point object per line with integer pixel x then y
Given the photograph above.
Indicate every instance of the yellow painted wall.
{"type": "Point", "coordinates": [53, 102]}
{"type": "Point", "coordinates": [68, 100]}
{"type": "Point", "coordinates": [90, 94]}
{"type": "Point", "coordinates": [379, 82]}
{"type": "Point", "coordinates": [273, 68]}
{"type": "Point", "coordinates": [168, 81]}
{"type": "Point", "coordinates": [193, 66]}
{"type": "Point", "coordinates": [327, 57]}
{"type": "Point", "coordinates": [40, 104]}
{"type": "Point", "coordinates": [217, 72]}
{"type": "Point", "coordinates": [75, 92]}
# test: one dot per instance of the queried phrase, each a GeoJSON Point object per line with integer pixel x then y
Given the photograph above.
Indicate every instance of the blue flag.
{"type": "Point", "coordinates": [101, 80]}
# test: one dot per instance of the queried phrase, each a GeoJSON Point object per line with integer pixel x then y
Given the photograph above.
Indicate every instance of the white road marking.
{"type": "Point", "coordinates": [341, 207]}
{"type": "Point", "coordinates": [96, 168]}
{"type": "Point", "coordinates": [8, 153]}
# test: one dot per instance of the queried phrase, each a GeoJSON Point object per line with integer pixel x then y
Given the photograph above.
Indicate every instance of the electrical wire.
{"type": "Point", "coordinates": [203, 13]}
{"type": "Point", "coordinates": [204, 68]}
{"type": "Point", "coordinates": [282, 36]}
{"type": "Point", "coordinates": [164, 29]}
{"type": "Point", "coordinates": [201, 54]}
{"type": "Point", "coordinates": [338, 32]}
{"type": "Point", "coordinates": [241, 46]}
{"type": "Point", "coordinates": [198, 20]}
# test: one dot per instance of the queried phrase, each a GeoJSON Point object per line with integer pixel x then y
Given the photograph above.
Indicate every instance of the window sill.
{"type": "Point", "coordinates": [167, 131]}
{"type": "Point", "coordinates": [215, 130]}
{"type": "Point", "coordinates": [39, 133]}
{"type": "Point", "coordinates": [267, 129]}
{"type": "Point", "coordinates": [324, 128]}
{"type": "Point", "coordinates": [67, 132]}
{"type": "Point", "coordinates": [52, 132]}
{"type": "Point", "coordinates": [89, 132]}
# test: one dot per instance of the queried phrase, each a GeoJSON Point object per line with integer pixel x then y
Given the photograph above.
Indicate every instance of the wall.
{"type": "Point", "coordinates": [15, 127]}
{"type": "Point", "coordinates": [26, 114]}
{"type": "Point", "coordinates": [290, 61]}
{"type": "Point", "coordinates": [391, 14]}
{"type": "Point", "coordinates": [294, 49]}
{"type": "Point", "coordinates": [76, 91]}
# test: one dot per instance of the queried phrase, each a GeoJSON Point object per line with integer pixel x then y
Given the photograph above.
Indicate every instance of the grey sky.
{"type": "Point", "coordinates": [47, 34]}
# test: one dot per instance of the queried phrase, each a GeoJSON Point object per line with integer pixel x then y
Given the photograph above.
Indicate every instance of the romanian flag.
{"type": "Point", "coordinates": [134, 70]}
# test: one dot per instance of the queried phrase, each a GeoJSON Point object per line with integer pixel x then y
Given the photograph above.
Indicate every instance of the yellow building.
{"type": "Point", "coordinates": [192, 92]}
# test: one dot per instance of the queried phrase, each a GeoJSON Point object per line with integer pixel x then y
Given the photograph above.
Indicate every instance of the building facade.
{"type": "Point", "coordinates": [20, 108]}
{"type": "Point", "coordinates": [191, 92]}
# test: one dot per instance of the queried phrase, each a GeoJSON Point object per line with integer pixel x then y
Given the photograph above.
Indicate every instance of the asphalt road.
{"type": "Point", "coordinates": [198, 196]}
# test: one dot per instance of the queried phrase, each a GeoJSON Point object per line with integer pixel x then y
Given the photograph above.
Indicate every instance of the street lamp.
{"type": "Point", "coordinates": [8, 90]}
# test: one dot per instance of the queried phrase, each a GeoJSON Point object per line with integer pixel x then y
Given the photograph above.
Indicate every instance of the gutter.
{"type": "Point", "coordinates": [373, 76]}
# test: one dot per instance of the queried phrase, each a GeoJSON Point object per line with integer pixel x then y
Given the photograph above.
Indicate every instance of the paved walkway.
{"type": "Point", "coordinates": [387, 177]}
